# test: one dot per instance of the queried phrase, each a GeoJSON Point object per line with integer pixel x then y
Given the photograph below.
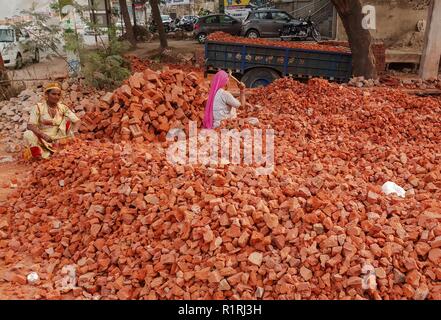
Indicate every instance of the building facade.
{"type": "Point", "coordinates": [397, 22]}
{"type": "Point", "coordinates": [179, 8]}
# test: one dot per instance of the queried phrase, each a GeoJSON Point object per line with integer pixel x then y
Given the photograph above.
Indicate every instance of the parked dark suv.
{"type": "Point", "coordinates": [265, 23]}
{"type": "Point", "coordinates": [216, 22]}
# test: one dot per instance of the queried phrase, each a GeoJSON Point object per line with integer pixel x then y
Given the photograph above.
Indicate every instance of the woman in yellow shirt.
{"type": "Point", "coordinates": [49, 122]}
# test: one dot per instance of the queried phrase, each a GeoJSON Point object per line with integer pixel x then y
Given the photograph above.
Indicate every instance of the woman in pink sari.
{"type": "Point", "coordinates": [221, 104]}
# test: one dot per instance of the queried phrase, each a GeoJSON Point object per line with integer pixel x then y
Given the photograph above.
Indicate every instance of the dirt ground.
{"type": "Point", "coordinates": [37, 73]}
{"type": "Point", "coordinates": [10, 172]}
{"type": "Point", "coordinates": [179, 46]}
{"type": "Point", "coordinates": [51, 67]}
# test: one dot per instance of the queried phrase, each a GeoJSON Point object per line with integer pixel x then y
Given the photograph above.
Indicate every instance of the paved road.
{"type": "Point", "coordinates": [48, 68]}
{"type": "Point", "coordinates": [51, 67]}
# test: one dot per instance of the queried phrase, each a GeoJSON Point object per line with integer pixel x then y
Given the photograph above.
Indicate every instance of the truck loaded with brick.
{"type": "Point", "coordinates": [258, 62]}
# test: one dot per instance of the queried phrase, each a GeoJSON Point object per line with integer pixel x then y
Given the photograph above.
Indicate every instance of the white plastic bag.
{"type": "Point", "coordinates": [390, 187]}
{"type": "Point", "coordinates": [33, 277]}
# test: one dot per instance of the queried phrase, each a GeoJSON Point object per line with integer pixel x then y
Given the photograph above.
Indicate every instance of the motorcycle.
{"type": "Point", "coordinates": [300, 30]}
{"type": "Point", "coordinates": [153, 27]}
{"type": "Point", "coordinates": [186, 25]}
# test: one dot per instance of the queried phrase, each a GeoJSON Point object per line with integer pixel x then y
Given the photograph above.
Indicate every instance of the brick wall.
{"type": "Point", "coordinates": [380, 56]}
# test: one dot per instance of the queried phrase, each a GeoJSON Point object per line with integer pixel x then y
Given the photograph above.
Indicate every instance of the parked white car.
{"type": "Point", "coordinates": [16, 47]}
{"type": "Point", "coordinates": [166, 18]}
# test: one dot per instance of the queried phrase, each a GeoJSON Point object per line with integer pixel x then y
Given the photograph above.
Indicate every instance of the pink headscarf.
{"type": "Point", "coordinates": [219, 81]}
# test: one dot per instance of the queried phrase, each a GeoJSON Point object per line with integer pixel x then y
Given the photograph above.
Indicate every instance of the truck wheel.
{"type": "Point", "coordinates": [201, 38]}
{"type": "Point", "coordinates": [252, 34]}
{"type": "Point", "coordinates": [259, 77]}
{"type": "Point", "coordinates": [19, 62]}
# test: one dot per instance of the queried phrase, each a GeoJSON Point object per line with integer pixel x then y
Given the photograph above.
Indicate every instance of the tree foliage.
{"type": "Point", "coordinates": [106, 70]}
{"type": "Point", "coordinates": [103, 67]}
{"type": "Point", "coordinates": [57, 5]}
{"type": "Point", "coordinates": [46, 36]}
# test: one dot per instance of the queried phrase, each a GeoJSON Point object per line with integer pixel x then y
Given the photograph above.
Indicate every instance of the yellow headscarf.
{"type": "Point", "coordinates": [51, 86]}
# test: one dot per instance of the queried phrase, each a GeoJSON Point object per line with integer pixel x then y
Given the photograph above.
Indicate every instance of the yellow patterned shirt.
{"type": "Point", "coordinates": [58, 130]}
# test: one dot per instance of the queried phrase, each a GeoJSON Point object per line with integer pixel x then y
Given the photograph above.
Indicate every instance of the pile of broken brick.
{"type": "Point", "coordinates": [14, 113]}
{"type": "Point", "coordinates": [186, 62]}
{"type": "Point", "coordinates": [396, 82]}
{"type": "Point", "coordinates": [134, 226]}
{"type": "Point", "coordinates": [225, 37]}
{"type": "Point", "coordinates": [147, 106]}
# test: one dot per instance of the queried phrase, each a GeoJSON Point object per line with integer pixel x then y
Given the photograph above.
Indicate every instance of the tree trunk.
{"type": "Point", "coordinates": [360, 39]}
{"type": "Point", "coordinates": [128, 24]}
{"type": "Point", "coordinates": [154, 4]}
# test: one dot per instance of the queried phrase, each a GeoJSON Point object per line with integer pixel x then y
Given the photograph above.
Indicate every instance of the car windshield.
{"type": "Point", "coordinates": [165, 18]}
{"type": "Point", "coordinates": [289, 16]}
{"type": "Point", "coordinates": [6, 35]}
{"type": "Point", "coordinates": [280, 15]}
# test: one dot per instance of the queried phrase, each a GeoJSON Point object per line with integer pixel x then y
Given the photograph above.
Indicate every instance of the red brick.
{"type": "Point", "coordinates": [125, 293]}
